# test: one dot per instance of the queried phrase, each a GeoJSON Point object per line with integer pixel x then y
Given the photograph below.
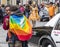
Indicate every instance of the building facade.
{"type": "Point", "coordinates": [47, 1]}
{"type": "Point", "coordinates": [12, 2]}
{"type": "Point", "coordinates": [5, 2]}
{"type": "Point", "coordinates": [16, 2]}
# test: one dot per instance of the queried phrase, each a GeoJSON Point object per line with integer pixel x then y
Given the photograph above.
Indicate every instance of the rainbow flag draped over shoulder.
{"type": "Point", "coordinates": [20, 26]}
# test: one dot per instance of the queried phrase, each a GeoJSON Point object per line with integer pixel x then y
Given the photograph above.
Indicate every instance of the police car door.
{"type": "Point", "coordinates": [56, 34]}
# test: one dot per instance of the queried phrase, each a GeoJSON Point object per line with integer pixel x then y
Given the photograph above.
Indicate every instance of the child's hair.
{"type": "Point", "coordinates": [8, 6]}
{"type": "Point", "coordinates": [14, 8]}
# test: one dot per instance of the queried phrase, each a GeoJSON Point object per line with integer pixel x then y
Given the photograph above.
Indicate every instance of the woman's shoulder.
{"type": "Point", "coordinates": [5, 17]}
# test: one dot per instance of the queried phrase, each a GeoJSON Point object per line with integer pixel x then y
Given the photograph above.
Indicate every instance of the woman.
{"type": "Point", "coordinates": [34, 14]}
{"type": "Point", "coordinates": [11, 38]}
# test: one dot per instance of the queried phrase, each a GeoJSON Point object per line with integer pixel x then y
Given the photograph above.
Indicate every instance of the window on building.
{"type": "Point", "coordinates": [8, 2]}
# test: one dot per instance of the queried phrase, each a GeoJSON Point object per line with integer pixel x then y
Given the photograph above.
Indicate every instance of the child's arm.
{"type": "Point", "coordinates": [7, 21]}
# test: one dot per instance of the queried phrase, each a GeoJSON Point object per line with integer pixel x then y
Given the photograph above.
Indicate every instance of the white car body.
{"type": "Point", "coordinates": [55, 34]}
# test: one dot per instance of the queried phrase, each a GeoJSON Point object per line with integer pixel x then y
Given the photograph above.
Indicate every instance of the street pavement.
{"type": "Point", "coordinates": [3, 34]}
{"type": "Point", "coordinates": [3, 37]}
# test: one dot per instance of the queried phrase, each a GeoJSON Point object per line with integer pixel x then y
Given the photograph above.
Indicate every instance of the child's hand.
{"type": "Point", "coordinates": [7, 20]}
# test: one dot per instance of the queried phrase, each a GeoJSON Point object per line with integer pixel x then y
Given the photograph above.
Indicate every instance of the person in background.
{"type": "Point", "coordinates": [30, 2]}
{"type": "Point", "coordinates": [27, 11]}
{"type": "Point", "coordinates": [21, 8]}
{"type": "Point", "coordinates": [43, 11]}
{"type": "Point", "coordinates": [56, 8]}
{"type": "Point", "coordinates": [3, 9]}
{"type": "Point", "coordinates": [39, 8]}
{"type": "Point", "coordinates": [51, 10]}
{"type": "Point", "coordinates": [1, 15]}
{"type": "Point", "coordinates": [34, 14]}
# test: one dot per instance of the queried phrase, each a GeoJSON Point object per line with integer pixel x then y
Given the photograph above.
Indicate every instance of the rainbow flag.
{"type": "Point", "coordinates": [20, 26]}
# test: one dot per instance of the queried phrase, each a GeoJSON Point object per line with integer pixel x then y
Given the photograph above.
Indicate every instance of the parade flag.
{"type": "Point", "coordinates": [20, 26]}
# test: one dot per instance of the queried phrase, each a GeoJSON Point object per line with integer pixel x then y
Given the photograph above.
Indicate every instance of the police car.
{"type": "Point", "coordinates": [49, 34]}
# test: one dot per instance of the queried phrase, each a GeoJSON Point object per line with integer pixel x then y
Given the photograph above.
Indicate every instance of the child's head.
{"type": "Point", "coordinates": [7, 10]}
{"type": "Point", "coordinates": [14, 8]}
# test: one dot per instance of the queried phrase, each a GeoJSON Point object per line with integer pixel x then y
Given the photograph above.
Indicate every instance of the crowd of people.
{"type": "Point", "coordinates": [32, 11]}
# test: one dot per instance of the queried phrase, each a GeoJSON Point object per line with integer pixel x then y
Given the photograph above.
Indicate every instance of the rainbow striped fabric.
{"type": "Point", "coordinates": [20, 26]}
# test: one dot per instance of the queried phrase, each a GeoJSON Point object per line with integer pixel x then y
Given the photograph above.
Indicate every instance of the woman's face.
{"type": "Point", "coordinates": [7, 10]}
{"type": "Point", "coordinates": [34, 6]}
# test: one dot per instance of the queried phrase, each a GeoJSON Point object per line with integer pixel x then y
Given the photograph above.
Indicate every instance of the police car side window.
{"type": "Point", "coordinates": [57, 27]}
